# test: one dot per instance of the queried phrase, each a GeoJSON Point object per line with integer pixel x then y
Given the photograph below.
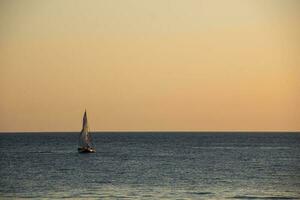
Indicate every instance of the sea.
{"type": "Point", "coordinates": [151, 165]}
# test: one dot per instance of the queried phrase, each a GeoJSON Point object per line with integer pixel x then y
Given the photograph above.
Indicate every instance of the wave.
{"type": "Point", "coordinates": [200, 193]}
{"type": "Point", "coordinates": [263, 197]}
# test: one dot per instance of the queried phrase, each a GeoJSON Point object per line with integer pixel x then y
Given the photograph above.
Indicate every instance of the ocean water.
{"type": "Point", "coordinates": [151, 166]}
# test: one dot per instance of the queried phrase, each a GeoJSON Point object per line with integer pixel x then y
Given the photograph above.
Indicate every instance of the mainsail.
{"type": "Point", "coordinates": [85, 139]}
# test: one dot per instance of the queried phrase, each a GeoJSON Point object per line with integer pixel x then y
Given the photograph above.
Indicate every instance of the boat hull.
{"type": "Point", "coordinates": [86, 150]}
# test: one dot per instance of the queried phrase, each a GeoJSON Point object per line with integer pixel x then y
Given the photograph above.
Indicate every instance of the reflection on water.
{"type": "Point", "coordinates": [151, 166]}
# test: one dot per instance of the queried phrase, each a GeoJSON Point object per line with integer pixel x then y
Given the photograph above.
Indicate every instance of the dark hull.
{"type": "Point", "coordinates": [86, 150]}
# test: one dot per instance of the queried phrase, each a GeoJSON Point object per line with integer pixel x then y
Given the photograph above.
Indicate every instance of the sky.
{"type": "Point", "coordinates": [184, 65]}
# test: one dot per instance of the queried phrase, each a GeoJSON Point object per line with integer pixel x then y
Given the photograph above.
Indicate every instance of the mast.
{"type": "Point", "coordinates": [85, 122]}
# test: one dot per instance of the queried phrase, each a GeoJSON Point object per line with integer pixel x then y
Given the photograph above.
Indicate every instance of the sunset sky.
{"type": "Point", "coordinates": [150, 65]}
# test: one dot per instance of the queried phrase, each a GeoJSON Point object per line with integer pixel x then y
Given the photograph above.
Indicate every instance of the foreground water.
{"type": "Point", "coordinates": [151, 166]}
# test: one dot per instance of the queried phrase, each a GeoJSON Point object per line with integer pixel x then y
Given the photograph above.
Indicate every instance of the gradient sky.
{"type": "Point", "coordinates": [150, 65]}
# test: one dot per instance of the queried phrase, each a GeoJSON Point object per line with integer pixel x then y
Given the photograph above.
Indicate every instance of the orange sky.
{"type": "Point", "coordinates": [150, 65]}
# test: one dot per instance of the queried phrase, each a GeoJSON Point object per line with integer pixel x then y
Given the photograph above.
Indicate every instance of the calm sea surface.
{"type": "Point", "coordinates": [151, 166]}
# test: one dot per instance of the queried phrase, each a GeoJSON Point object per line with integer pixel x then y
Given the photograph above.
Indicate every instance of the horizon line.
{"type": "Point", "coordinates": [165, 131]}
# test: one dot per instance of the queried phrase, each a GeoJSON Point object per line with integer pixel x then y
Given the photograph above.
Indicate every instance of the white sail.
{"type": "Point", "coordinates": [85, 138]}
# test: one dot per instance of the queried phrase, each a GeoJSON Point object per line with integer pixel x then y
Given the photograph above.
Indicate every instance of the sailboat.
{"type": "Point", "coordinates": [85, 139]}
